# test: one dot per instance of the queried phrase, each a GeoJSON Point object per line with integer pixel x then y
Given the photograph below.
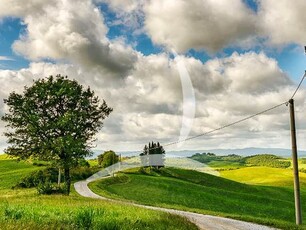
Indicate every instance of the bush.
{"type": "Point", "coordinates": [45, 188]}
{"type": "Point", "coordinates": [83, 163]}
{"type": "Point", "coordinates": [108, 158]}
{"type": "Point", "coordinates": [82, 173]}
{"type": "Point", "coordinates": [45, 180]}
{"type": "Point", "coordinates": [51, 175]}
{"type": "Point", "coordinates": [38, 177]}
{"type": "Point", "coordinates": [40, 164]}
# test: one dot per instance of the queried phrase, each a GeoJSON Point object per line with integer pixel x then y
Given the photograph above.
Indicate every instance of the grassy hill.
{"type": "Point", "coordinates": [234, 161]}
{"type": "Point", "coordinates": [24, 209]}
{"type": "Point", "coordinates": [264, 176]}
{"type": "Point", "coordinates": [203, 193]}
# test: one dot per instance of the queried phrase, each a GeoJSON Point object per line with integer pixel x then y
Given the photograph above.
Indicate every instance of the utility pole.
{"type": "Point", "coordinates": [298, 213]}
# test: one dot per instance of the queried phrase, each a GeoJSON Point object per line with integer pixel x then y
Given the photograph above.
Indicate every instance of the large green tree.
{"type": "Point", "coordinates": [55, 119]}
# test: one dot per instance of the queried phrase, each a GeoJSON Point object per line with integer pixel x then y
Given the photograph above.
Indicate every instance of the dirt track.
{"type": "Point", "coordinates": [206, 222]}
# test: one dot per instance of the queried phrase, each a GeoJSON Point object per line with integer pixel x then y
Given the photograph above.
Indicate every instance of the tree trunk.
{"type": "Point", "coordinates": [59, 177]}
{"type": "Point", "coordinates": [67, 180]}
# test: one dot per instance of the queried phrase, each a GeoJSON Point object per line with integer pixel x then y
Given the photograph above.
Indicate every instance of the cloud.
{"type": "Point", "coordinates": [148, 102]}
{"type": "Point", "coordinates": [5, 58]}
{"type": "Point", "coordinates": [15, 8]}
{"type": "Point", "coordinates": [145, 91]}
{"type": "Point", "coordinates": [283, 21]}
{"type": "Point", "coordinates": [129, 13]}
{"type": "Point", "coordinates": [203, 25]}
{"type": "Point", "coordinates": [213, 25]}
{"type": "Point", "coordinates": [69, 31]}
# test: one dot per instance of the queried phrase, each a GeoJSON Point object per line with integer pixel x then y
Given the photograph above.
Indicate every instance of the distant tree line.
{"type": "Point", "coordinates": [267, 160]}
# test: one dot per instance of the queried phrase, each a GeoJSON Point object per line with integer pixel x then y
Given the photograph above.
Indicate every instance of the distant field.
{"type": "Point", "coordinates": [225, 165]}
{"type": "Point", "coordinates": [233, 161]}
{"type": "Point", "coordinates": [203, 193]}
{"type": "Point", "coordinates": [11, 172]}
{"type": "Point", "coordinates": [264, 176]}
{"type": "Point", "coordinates": [3, 156]}
{"type": "Point", "coordinates": [24, 209]}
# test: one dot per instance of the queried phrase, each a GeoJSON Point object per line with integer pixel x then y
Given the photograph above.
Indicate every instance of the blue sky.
{"type": "Point", "coordinates": [240, 56]}
{"type": "Point", "coordinates": [291, 58]}
{"type": "Point", "coordinates": [10, 30]}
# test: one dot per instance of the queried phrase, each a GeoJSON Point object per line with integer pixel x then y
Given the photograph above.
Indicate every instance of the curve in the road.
{"type": "Point", "coordinates": [206, 222]}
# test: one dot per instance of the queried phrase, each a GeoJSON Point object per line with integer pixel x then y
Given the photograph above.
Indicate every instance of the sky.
{"type": "Point", "coordinates": [170, 69]}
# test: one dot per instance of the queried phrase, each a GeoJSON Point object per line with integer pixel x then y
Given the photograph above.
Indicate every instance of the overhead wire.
{"type": "Point", "coordinates": [228, 125]}
{"type": "Point", "coordinates": [302, 79]}
{"type": "Point", "coordinates": [238, 121]}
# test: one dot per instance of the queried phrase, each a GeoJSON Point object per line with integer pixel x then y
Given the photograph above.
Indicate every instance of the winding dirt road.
{"type": "Point", "coordinates": [206, 222]}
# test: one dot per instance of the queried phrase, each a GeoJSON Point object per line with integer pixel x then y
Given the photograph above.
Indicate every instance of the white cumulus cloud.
{"type": "Point", "coordinates": [283, 21]}
{"type": "Point", "coordinates": [148, 102]}
{"type": "Point", "coordinates": [205, 25]}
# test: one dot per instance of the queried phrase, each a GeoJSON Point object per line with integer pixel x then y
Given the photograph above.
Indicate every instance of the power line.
{"type": "Point", "coordinates": [299, 85]}
{"type": "Point", "coordinates": [227, 125]}
{"type": "Point", "coordinates": [238, 121]}
{"type": "Point", "coordinates": [241, 120]}
{"type": "Point", "coordinates": [224, 126]}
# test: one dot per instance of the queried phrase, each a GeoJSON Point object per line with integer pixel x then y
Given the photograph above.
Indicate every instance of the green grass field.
{"type": "Point", "coordinates": [224, 165]}
{"type": "Point", "coordinates": [264, 176]}
{"type": "Point", "coordinates": [24, 209]}
{"type": "Point", "coordinates": [11, 172]}
{"type": "Point", "coordinates": [204, 193]}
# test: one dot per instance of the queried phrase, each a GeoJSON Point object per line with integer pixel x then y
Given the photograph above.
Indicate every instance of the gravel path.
{"type": "Point", "coordinates": [206, 222]}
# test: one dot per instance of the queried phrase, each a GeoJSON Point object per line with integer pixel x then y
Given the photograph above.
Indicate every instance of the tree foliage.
{"type": "Point", "coordinates": [108, 158]}
{"type": "Point", "coordinates": [153, 155]}
{"type": "Point", "coordinates": [267, 160]}
{"type": "Point", "coordinates": [55, 119]}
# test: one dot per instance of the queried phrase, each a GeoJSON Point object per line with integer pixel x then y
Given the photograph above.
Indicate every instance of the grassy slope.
{"type": "Point", "coordinates": [203, 193]}
{"type": "Point", "coordinates": [264, 176]}
{"type": "Point", "coordinates": [11, 172]}
{"type": "Point", "coordinates": [225, 164]}
{"type": "Point", "coordinates": [24, 209]}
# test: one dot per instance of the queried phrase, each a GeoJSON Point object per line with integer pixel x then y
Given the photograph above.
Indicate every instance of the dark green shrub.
{"type": "Point", "coordinates": [39, 164]}
{"type": "Point", "coordinates": [38, 177]}
{"type": "Point", "coordinates": [46, 188]}
{"type": "Point", "coordinates": [108, 158]}
{"type": "Point", "coordinates": [82, 173]}
{"type": "Point", "coordinates": [83, 163]}
{"type": "Point", "coordinates": [51, 175]}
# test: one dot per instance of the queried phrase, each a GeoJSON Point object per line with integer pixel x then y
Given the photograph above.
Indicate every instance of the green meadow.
{"type": "Point", "coordinates": [25, 209]}
{"type": "Point", "coordinates": [271, 204]}
{"type": "Point", "coordinates": [257, 194]}
{"type": "Point", "coordinates": [264, 176]}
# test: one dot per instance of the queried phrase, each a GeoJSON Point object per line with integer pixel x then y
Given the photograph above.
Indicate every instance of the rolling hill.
{"type": "Point", "coordinates": [24, 209]}
{"type": "Point", "coordinates": [203, 193]}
